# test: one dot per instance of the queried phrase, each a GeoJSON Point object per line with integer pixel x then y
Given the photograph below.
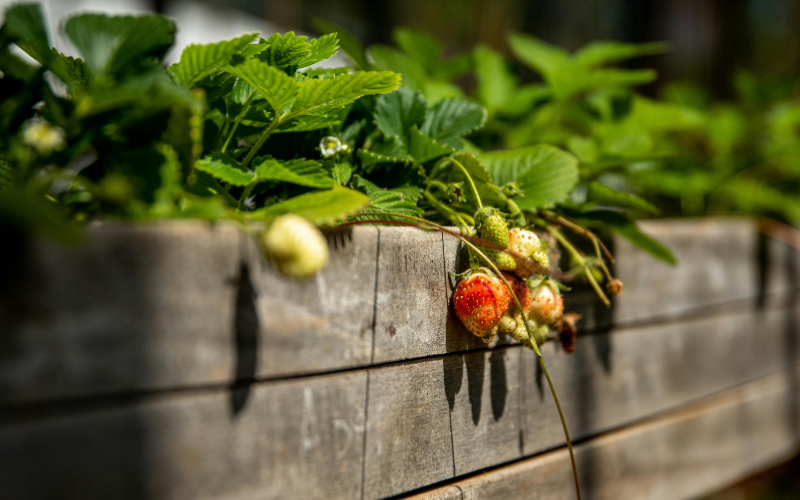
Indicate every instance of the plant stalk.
{"type": "Point", "coordinates": [272, 126]}
{"type": "Point", "coordinates": [471, 182]}
{"type": "Point", "coordinates": [578, 258]}
{"type": "Point", "coordinates": [238, 120]}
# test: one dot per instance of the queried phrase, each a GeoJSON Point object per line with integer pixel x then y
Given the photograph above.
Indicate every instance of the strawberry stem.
{"type": "Point", "coordinates": [579, 260]}
{"type": "Point", "coordinates": [531, 342]}
{"type": "Point", "coordinates": [469, 179]}
{"type": "Point", "coordinates": [238, 120]}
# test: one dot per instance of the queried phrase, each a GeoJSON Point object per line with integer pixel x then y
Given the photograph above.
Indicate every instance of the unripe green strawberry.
{"type": "Point", "coordinates": [480, 301]}
{"type": "Point", "coordinates": [547, 305]}
{"type": "Point", "coordinates": [512, 322]}
{"type": "Point", "coordinates": [540, 331]}
{"type": "Point", "coordinates": [298, 248]}
{"type": "Point", "coordinates": [492, 226]}
{"type": "Point", "coordinates": [527, 245]}
{"type": "Point", "coordinates": [520, 333]}
{"type": "Point", "coordinates": [507, 323]}
{"type": "Point", "coordinates": [502, 260]}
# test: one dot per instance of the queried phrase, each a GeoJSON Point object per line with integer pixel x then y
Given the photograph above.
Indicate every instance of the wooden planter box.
{"type": "Point", "coordinates": [172, 361]}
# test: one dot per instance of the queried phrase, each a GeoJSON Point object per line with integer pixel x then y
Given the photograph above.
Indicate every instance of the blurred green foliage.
{"type": "Point", "coordinates": [682, 154]}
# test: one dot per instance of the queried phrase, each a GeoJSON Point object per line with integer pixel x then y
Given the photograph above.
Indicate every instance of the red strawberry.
{"type": "Point", "coordinates": [521, 290]}
{"type": "Point", "coordinates": [547, 305]}
{"type": "Point", "coordinates": [480, 301]}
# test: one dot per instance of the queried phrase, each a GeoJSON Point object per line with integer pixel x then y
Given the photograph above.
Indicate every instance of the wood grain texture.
{"type": "Point", "coordinates": [782, 273]}
{"type": "Point", "coordinates": [680, 455]}
{"type": "Point", "coordinates": [134, 308]}
{"type": "Point", "coordinates": [293, 439]}
{"type": "Point", "coordinates": [444, 493]}
{"type": "Point", "coordinates": [321, 323]}
{"type": "Point", "coordinates": [186, 304]}
{"type": "Point", "coordinates": [412, 297]}
{"type": "Point", "coordinates": [632, 373]}
{"type": "Point", "coordinates": [408, 429]}
{"type": "Point", "coordinates": [486, 411]}
{"type": "Point", "coordinates": [501, 408]}
{"type": "Point", "coordinates": [717, 263]}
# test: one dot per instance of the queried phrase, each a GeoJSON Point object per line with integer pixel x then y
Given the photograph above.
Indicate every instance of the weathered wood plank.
{"type": "Point", "coordinates": [136, 307]}
{"type": "Point", "coordinates": [408, 442]}
{"type": "Point", "coordinates": [292, 439]}
{"type": "Point", "coordinates": [501, 409]}
{"type": "Point", "coordinates": [782, 276]}
{"type": "Point", "coordinates": [427, 420]}
{"type": "Point", "coordinates": [717, 264]}
{"type": "Point", "coordinates": [632, 373]}
{"type": "Point", "coordinates": [175, 305]}
{"type": "Point", "coordinates": [681, 455]}
{"type": "Point", "coordinates": [485, 399]}
{"type": "Point", "coordinates": [412, 295]}
{"type": "Point", "coordinates": [318, 324]}
{"type": "Point", "coordinates": [443, 493]}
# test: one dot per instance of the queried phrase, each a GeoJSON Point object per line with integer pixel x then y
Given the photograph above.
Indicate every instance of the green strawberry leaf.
{"type": "Point", "coordinates": [319, 207]}
{"type": "Point", "coordinates": [545, 173]}
{"type": "Point", "coordinates": [448, 121]}
{"type": "Point", "coordinates": [302, 172]}
{"type": "Point", "coordinates": [347, 42]}
{"type": "Point", "coordinates": [226, 169]}
{"type": "Point", "coordinates": [323, 73]}
{"type": "Point", "coordinates": [24, 24]}
{"type": "Point", "coordinates": [496, 83]}
{"type": "Point", "coordinates": [113, 44]}
{"type": "Point", "coordinates": [306, 123]}
{"type": "Point", "coordinates": [285, 51]}
{"type": "Point", "coordinates": [390, 150]}
{"type": "Point", "coordinates": [422, 148]}
{"type": "Point", "coordinates": [389, 59]}
{"type": "Point", "coordinates": [278, 88]}
{"type": "Point", "coordinates": [340, 90]}
{"type": "Point", "coordinates": [322, 48]}
{"type": "Point", "coordinates": [71, 70]}
{"type": "Point", "coordinates": [402, 200]}
{"type": "Point", "coordinates": [199, 61]}
{"type": "Point", "coordinates": [241, 91]}
{"type": "Point", "coordinates": [537, 54]}
{"type": "Point", "coordinates": [7, 173]}
{"type": "Point", "coordinates": [605, 52]}
{"type": "Point", "coordinates": [474, 166]}
{"type": "Point", "coordinates": [398, 111]}
{"type": "Point", "coordinates": [604, 195]}
{"type": "Point", "coordinates": [420, 47]}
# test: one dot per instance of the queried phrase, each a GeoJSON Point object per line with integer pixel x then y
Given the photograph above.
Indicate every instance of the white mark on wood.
{"type": "Point", "coordinates": [308, 424]}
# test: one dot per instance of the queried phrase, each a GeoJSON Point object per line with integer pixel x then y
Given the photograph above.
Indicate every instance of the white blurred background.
{"type": "Point", "coordinates": [198, 21]}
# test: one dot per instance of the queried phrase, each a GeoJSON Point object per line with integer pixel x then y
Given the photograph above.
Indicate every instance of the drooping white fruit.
{"type": "Point", "coordinates": [298, 248]}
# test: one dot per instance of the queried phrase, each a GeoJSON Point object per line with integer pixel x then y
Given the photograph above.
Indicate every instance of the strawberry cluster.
{"type": "Point", "coordinates": [484, 303]}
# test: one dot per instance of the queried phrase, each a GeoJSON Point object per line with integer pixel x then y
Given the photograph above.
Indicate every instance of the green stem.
{"type": "Point", "coordinates": [221, 132]}
{"type": "Point", "coordinates": [531, 342]}
{"type": "Point", "coordinates": [238, 120]}
{"type": "Point", "coordinates": [446, 211]}
{"type": "Point", "coordinates": [469, 179]}
{"type": "Point", "coordinates": [579, 260]}
{"type": "Point", "coordinates": [245, 194]}
{"type": "Point", "coordinates": [272, 126]}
